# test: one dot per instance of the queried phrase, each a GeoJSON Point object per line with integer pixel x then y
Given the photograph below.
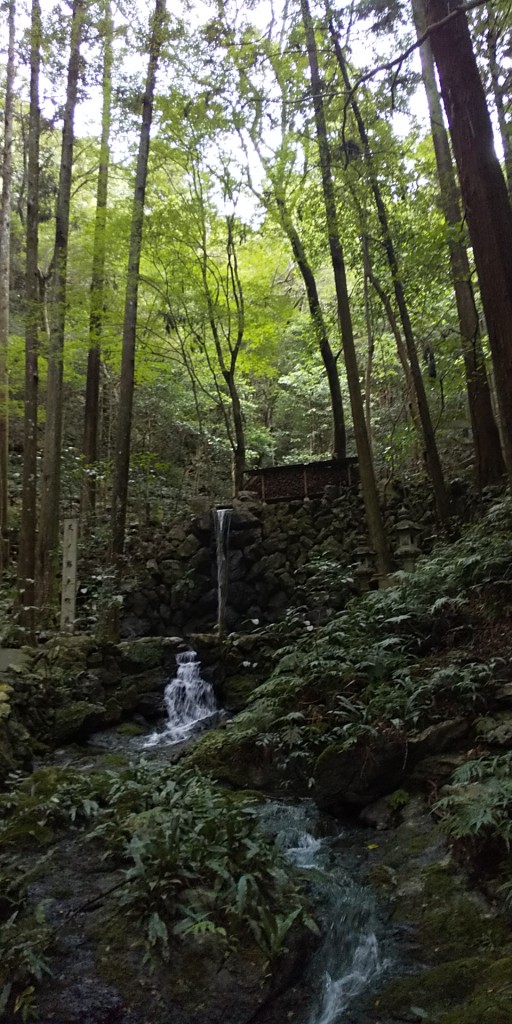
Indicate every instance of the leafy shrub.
{"type": "Point", "coordinates": [193, 858]}
{"type": "Point", "coordinates": [479, 804]}
{"type": "Point", "coordinates": [24, 941]}
{"type": "Point", "coordinates": [365, 669]}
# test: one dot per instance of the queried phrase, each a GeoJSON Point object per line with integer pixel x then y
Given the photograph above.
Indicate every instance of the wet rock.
{"type": "Point", "coordinates": [438, 737]}
{"type": "Point", "coordinates": [497, 730]}
{"type": "Point", "coordinates": [147, 652]}
{"type": "Point", "coordinates": [359, 775]}
{"type": "Point", "coordinates": [76, 719]}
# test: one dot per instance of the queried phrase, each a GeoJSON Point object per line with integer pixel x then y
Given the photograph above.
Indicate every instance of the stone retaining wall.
{"type": "Point", "coordinates": [273, 553]}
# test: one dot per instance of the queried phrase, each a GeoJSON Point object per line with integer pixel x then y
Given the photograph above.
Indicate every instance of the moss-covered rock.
{"type": "Point", "coordinates": [361, 773]}
{"type": "Point", "coordinates": [235, 757]}
{"type": "Point", "coordinates": [76, 719]}
{"type": "Point", "coordinates": [448, 919]}
{"type": "Point", "coordinates": [473, 990]}
{"type": "Point", "coordinates": [238, 689]}
{"type": "Point", "coordinates": [147, 652]}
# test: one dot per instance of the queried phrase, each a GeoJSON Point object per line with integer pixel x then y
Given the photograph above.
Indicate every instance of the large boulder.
{"type": "Point", "coordinates": [360, 774]}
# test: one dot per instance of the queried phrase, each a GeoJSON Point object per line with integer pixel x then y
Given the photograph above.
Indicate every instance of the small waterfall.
{"type": "Point", "coordinates": [189, 701]}
{"type": "Point", "coordinates": [338, 993]}
{"type": "Point", "coordinates": [349, 959]}
{"type": "Point", "coordinates": [222, 521]}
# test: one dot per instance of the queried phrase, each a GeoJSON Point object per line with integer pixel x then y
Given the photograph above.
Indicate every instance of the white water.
{"type": "Point", "coordinates": [222, 521]}
{"type": "Point", "coordinates": [304, 853]}
{"type": "Point", "coordinates": [189, 701]}
{"type": "Point", "coordinates": [338, 993]}
{"type": "Point", "coordinates": [348, 960]}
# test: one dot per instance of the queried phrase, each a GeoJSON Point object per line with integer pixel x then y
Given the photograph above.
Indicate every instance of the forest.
{"type": "Point", "coordinates": [255, 520]}
{"type": "Point", "coordinates": [268, 250]}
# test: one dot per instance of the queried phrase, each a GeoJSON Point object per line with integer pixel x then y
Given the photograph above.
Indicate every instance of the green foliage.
{"type": "Point", "coordinates": [363, 672]}
{"type": "Point", "coordinates": [24, 941]}
{"type": "Point", "coordinates": [193, 859]}
{"type": "Point", "coordinates": [479, 802]}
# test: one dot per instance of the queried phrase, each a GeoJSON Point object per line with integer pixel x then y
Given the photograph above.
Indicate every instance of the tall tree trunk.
{"type": "Point", "coordinates": [239, 450]}
{"type": "Point", "coordinates": [48, 541]}
{"type": "Point", "coordinates": [5, 231]}
{"type": "Point", "coordinates": [431, 452]}
{"type": "Point", "coordinates": [124, 425]}
{"type": "Point", "coordinates": [484, 192]}
{"type": "Point", "coordinates": [486, 438]}
{"type": "Point", "coordinates": [315, 310]}
{"type": "Point", "coordinates": [92, 388]}
{"type": "Point", "coordinates": [371, 353]}
{"type": "Point", "coordinates": [376, 530]}
{"type": "Point", "coordinates": [499, 93]}
{"type": "Point", "coordinates": [27, 541]}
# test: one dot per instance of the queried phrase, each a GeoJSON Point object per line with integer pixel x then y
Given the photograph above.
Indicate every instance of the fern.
{"type": "Point", "coordinates": [479, 805]}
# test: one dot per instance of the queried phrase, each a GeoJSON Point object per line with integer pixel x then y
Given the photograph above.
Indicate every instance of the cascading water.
{"type": "Point", "coordinates": [349, 959]}
{"type": "Point", "coordinates": [189, 701]}
{"type": "Point", "coordinates": [222, 521]}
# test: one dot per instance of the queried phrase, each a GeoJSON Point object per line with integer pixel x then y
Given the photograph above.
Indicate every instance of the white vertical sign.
{"type": "Point", "coordinates": [69, 559]}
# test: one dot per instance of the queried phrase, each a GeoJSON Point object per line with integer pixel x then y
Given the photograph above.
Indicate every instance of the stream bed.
{"type": "Point", "coordinates": [390, 906]}
{"type": "Point", "coordinates": [357, 947]}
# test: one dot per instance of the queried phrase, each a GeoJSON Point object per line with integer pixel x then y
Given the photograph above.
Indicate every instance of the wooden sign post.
{"type": "Point", "coordinates": [69, 560]}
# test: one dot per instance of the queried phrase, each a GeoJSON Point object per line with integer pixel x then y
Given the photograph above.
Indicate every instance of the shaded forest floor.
{"type": "Point", "coordinates": [145, 891]}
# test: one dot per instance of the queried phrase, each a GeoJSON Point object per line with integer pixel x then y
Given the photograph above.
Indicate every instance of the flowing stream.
{"type": "Point", "coordinates": [189, 702]}
{"type": "Point", "coordinates": [355, 950]}
{"type": "Point", "coordinates": [356, 947]}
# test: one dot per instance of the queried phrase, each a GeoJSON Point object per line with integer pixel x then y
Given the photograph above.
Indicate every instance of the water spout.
{"type": "Point", "coordinates": [222, 521]}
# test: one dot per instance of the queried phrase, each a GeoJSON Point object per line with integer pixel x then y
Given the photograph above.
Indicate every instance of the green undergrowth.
{"type": "Point", "coordinates": [191, 860]}
{"type": "Point", "coordinates": [403, 657]}
{"type": "Point", "coordinates": [476, 812]}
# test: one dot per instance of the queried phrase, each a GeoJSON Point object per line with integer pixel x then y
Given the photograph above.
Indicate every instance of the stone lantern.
{"type": "Point", "coordinates": [407, 551]}
{"type": "Point", "coordinates": [365, 572]}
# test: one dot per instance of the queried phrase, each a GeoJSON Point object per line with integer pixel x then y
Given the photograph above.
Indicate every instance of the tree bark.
{"type": "Point", "coordinates": [124, 426]}
{"type": "Point", "coordinates": [315, 310]}
{"type": "Point", "coordinates": [484, 193]}
{"type": "Point", "coordinates": [5, 231]}
{"type": "Point", "coordinates": [371, 351]}
{"type": "Point", "coordinates": [429, 440]}
{"type": "Point", "coordinates": [499, 102]}
{"type": "Point", "coordinates": [376, 530]}
{"type": "Point", "coordinates": [486, 439]}
{"type": "Point", "coordinates": [239, 451]}
{"type": "Point", "coordinates": [27, 541]}
{"type": "Point", "coordinates": [48, 542]}
{"type": "Point", "coordinates": [92, 388]}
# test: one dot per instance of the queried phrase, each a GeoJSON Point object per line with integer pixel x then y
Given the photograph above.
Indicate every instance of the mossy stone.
{"type": "Point", "coordinates": [491, 1000]}
{"type": "Point", "coordinates": [130, 729]}
{"type": "Point", "coordinates": [237, 691]}
{"type": "Point", "coordinates": [435, 991]}
{"type": "Point", "coordinates": [449, 920]}
{"type": "Point", "coordinates": [76, 718]}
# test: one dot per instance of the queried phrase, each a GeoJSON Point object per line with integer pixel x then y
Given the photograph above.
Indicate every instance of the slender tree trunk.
{"type": "Point", "coordinates": [371, 348]}
{"type": "Point", "coordinates": [239, 451]}
{"type": "Point", "coordinates": [92, 388]}
{"type": "Point", "coordinates": [5, 230]}
{"type": "Point", "coordinates": [124, 426]}
{"type": "Point", "coordinates": [498, 93]}
{"type": "Point", "coordinates": [27, 541]}
{"type": "Point", "coordinates": [484, 193]}
{"type": "Point", "coordinates": [486, 438]}
{"type": "Point", "coordinates": [315, 310]}
{"type": "Point", "coordinates": [376, 530]}
{"type": "Point", "coordinates": [48, 541]}
{"type": "Point", "coordinates": [431, 452]}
